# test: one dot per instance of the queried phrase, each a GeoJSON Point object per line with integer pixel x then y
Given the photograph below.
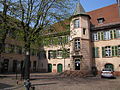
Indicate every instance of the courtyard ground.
{"type": "Point", "coordinates": [50, 81]}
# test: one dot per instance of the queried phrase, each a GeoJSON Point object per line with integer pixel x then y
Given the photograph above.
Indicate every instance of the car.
{"type": "Point", "coordinates": [107, 73]}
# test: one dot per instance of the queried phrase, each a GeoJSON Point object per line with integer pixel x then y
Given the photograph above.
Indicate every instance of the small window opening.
{"type": "Point", "coordinates": [84, 31]}
{"type": "Point", "coordinates": [100, 20]}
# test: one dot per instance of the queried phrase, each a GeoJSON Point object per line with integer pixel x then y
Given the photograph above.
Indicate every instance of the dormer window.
{"type": "Point", "coordinates": [100, 20]}
{"type": "Point", "coordinates": [76, 23]}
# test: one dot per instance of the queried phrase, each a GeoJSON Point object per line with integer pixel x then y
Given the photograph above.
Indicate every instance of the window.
{"type": "Point", "coordinates": [106, 51]}
{"type": "Point", "coordinates": [107, 35]}
{"type": "Point", "coordinates": [59, 54]}
{"type": "Point", "coordinates": [114, 50]}
{"type": "Point", "coordinates": [65, 39]}
{"type": "Point", "coordinates": [94, 37]}
{"type": "Point", "coordinates": [109, 66]}
{"type": "Point", "coordinates": [76, 23]}
{"type": "Point", "coordinates": [100, 20]}
{"type": "Point", "coordinates": [119, 50]}
{"type": "Point", "coordinates": [51, 54]}
{"type": "Point", "coordinates": [77, 44]}
{"type": "Point", "coordinates": [95, 52]}
{"type": "Point", "coordinates": [5, 65]}
{"type": "Point", "coordinates": [118, 33]}
{"type": "Point", "coordinates": [84, 30]}
{"type": "Point", "coordinates": [42, 55]}
{"type": "Point", "coordinates": [60, 40]}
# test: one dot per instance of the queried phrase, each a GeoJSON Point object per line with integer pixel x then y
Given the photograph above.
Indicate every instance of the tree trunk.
{"type": "Point", "coordinates": [26, 67]}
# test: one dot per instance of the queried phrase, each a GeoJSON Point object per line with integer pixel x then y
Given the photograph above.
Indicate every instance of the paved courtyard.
{"type": "Point", "coordinates": [49, 81]}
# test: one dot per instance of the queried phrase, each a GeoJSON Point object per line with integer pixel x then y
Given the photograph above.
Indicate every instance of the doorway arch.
{"type": "Point", "coordinates": [49, 67]}
{"type": "Point", "coordinates": [109, 65]}
{"type": "Point", "coordinates": [77, 64]}
{"type": "Point", "coordinates": [59, 68]}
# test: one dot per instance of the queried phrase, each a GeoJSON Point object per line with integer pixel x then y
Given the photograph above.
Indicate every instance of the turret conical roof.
{"type": "Point", "coordinates": [79, 9]}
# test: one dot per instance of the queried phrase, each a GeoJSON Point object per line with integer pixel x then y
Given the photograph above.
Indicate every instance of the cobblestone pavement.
{"type": "Point", "coordinates": [47, 81]}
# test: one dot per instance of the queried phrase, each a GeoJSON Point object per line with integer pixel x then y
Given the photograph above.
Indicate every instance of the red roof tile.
{"type": "Point", "coordinates": [109, 13]}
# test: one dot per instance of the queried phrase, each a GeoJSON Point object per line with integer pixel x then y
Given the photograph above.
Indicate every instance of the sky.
{"type": "Point", "coordinates": [90, 5]}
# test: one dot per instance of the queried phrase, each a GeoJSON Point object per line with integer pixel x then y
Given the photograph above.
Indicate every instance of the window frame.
{"type": "Point", "coordinates": [95, 36]}
{"type": "Point", "coordinates": [100, 20]}
{"type": "Point", "coordinates": [59, 54]}
{"type": "Point", "coordinates": [76, 23]}
{"type": "Point", "coordinates": [108, 51]}
{"type": "Point", "coordinates": [77, 44]}
{"type": "Point", "coordinates": [107, 35]}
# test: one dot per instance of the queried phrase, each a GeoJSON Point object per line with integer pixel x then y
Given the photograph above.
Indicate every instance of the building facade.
{"type": "Point", "coordinates": [90, 39]}
{"type": "Point", "coordinates": [93, 41]}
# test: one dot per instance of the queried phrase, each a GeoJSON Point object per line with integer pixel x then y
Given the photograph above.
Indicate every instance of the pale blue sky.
{"type": "Point", "coordinates": [90, 5]}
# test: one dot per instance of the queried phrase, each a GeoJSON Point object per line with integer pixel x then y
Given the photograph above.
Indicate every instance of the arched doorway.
{"type": "Point", "coordinates": [49, 67]}
{"type": "Point", "coordinates": [109, 65]}
{"type": "Point", "coordinates": [59, 68]}
{"type": "Point", "coordinates": [77, 64]}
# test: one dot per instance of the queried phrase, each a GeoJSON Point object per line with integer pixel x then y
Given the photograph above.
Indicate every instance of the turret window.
{"type": "Point", "coordinates": [76, 23]}
{"type": "Point", "coordinates": [84, 31]}
{"type": "Point", "coordinates": [77, 44]}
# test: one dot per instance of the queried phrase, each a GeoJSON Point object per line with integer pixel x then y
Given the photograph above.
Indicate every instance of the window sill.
{"type": "Point", "coordinates": [95, 57]}
{"type": "Point", "coordinates": [59, 57]}
{"type": "Point", "coordinates": [105, 40]}
{"type": "Point", "coordinates": [107, 57]}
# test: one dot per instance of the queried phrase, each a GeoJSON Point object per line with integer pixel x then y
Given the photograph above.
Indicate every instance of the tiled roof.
{"type": "Point", "coordinates": [79, 9]}
{"type": "Point", "coordinates": [109, 13]}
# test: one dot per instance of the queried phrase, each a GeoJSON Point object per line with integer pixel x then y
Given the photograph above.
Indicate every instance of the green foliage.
{"type": "Point", "coordinates": [55, 40]}
{"type": "Point", "coordinates": [65, 53]}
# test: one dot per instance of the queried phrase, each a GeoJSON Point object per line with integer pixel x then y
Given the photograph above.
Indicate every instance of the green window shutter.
{"type": "Point", "coordinates": [96, 52]}
{"type": "Point", "coordinates": [111, 34]}
{"type": "Point", "coordinates": [103, 51]}
{"type": "Point", "coordinates": [102, 35]}
{"type": "Point", "coordinates": [116, 50]}
{"type": "Point", "coordinates": [113, 51]}
{"type": "Point", "coordinates": [99, 36]}
{"type": "Point", "coordinates": [115, 36]}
